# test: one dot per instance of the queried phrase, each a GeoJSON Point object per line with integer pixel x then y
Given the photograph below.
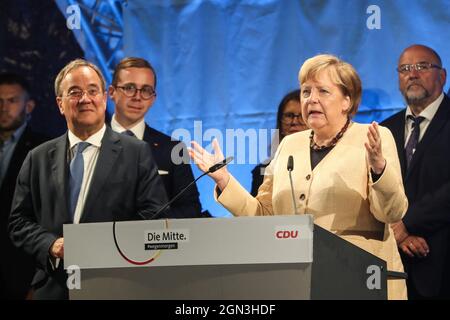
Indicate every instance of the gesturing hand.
{"type": "Point", "coordinates": [204, 160]}
{"type": "Point", "coordinates": [373, 147]}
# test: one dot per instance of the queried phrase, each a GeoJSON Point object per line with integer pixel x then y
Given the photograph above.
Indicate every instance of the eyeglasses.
{"type": "Point", "coordinates": [419, 67]}
{"type": "Point", "coordinates": [288, 117]}
{"type": "Point", "coordinates": [130, 90]}
{"type": "Point", "coordinates": [78, 93]}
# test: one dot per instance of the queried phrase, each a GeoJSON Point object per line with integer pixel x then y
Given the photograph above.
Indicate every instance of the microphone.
{"type": "Point", "coordinates": [218, 166]}
{"type": "Point", "coordinates": [290, 167]}
{"type": "Point", "coordinates": [212, 169]}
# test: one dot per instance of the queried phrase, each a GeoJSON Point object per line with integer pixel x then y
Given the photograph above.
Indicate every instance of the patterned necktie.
{"type": "Point", "coordinates": [76, 175]}
{"type": "Point", "coordinates": [413, 138]}
{"type": "Point", "coordinates": [129, 133]}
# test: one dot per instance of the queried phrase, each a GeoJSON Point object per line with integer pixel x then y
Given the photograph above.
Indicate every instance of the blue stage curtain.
{"type": "Point", "coordinates": [228, 63]}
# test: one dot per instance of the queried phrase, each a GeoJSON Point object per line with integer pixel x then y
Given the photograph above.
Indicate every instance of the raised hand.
{"type": "Point", "coordinates": [374, 153]}
{"type": "Point", "coordinates": [204, 160]}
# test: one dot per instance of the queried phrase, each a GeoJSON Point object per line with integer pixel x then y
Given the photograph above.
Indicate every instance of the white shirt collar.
{"type": "Point", "coordinates": [95, 139]}
{"type": "Point", "coordinates": [429, 112]}
{"type": "Point", "coordinates": [138, 129]}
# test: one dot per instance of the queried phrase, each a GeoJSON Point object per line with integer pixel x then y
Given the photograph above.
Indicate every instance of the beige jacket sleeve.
{"type": "Point", "coordinates": [387, 198]}
{"type": "Point", "coordinates": [239, 202]}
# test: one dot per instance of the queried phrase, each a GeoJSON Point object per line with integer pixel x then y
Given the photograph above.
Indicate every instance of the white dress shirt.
{"type": "Point", "coordinates": [138, 129]}
{"type": "Point", "coordinates": [90, 156]}
{"type": "Point", "coordinates": [428, 113]}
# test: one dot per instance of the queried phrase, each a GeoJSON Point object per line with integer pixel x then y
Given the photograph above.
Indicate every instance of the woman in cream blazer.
{"type": "Point", "coordinates": [347, 175]}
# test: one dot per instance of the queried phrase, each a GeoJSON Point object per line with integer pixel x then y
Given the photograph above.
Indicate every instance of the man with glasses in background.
{"type": "Point", "coordinates": [90, 174]}
{"type": "Point", "coordinates": [133, 92]}
{"type": "Point", "coordinates": [422, 135]}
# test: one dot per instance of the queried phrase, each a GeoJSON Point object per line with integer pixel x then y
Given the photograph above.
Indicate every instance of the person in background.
{"type": "Point", "coordinates": [289, 120]}
{"type": "Point", "coordinates": [346, 175]}
{"type": "Point", "coordinates": [422, 134]}
{"type": "Point", "coordinates": [133, 92]}
{"type": "Point", "coordinates": [16, 139]}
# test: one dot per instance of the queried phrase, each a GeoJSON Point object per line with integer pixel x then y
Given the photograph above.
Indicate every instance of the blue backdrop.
{"type": "Point", "coordinates": [228, 63]}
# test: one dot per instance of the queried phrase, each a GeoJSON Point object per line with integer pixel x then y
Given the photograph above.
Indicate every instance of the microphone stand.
{"type": "Point", "coordinates": [290, 167]}
{"type": "Point", "coordinates": [158, 213]}
{"type": "Point", "coordinates": [212, 169]}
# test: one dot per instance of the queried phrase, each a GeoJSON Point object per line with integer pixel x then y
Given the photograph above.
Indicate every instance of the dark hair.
{"type": "Point", "coordinates": [132, 62]}
{"type": "Point", "coordinates": [14, 78]}
{"type": "Point", "coordinates": [291, 96]}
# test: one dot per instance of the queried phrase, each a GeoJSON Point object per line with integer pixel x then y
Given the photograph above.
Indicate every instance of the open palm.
{"type": "Point", "coordinates": [204, 160]}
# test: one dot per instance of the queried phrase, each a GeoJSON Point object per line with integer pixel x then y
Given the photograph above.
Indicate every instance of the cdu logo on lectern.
{"type": "Point", "coordinates": [287, 232]}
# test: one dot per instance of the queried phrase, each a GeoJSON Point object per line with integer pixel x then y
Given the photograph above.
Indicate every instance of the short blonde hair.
{"type": "Point", "coordinates": [341, 74]}
{"type": "Point", "coordinates": [72, 65]}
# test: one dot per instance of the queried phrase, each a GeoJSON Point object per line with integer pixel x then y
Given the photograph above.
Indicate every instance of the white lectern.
{"type": "Point", "coordinates": [276, 257]}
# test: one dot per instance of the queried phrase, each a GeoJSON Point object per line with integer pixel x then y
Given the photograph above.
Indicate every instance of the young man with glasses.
{"type": "Point", "coordinates": [133, 92]}
{"type": "Point", "coordinates": [422, 135]}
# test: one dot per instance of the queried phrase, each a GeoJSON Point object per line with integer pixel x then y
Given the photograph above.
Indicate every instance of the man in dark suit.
{"type": "Point", "coordinates": [133, 92]}
{"type": "Point", "coordinates": [422, 135]}
{"type": "Point", "coordinates": [16, 139]}
{"type": "Point", "coordinates": [90, 174]}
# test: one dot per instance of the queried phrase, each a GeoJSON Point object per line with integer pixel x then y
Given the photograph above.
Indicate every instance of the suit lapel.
{"type": "Point", "coordinates": [439, 120]}
{"type": "Point", "coordinates": [156, 146]}
{"type": "Point", "coordinates": [19, 154]}
{"type": "Point", "coordinates": [148, 136]}
{"type": "Point", "coordinates": [398, 130]}
{"type": "Point", "coordinates": [109, 152]}
{"type": "Point", "coordinates": [58, 159]}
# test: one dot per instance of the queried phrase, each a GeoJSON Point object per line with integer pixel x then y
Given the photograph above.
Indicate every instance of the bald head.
{"type": "Point", "coordinates": [421, 76]}
{"type": "Point", "coordinates": [420, 47]}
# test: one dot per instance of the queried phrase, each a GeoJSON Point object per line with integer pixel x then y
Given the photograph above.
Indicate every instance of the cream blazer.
{"type": "Point", "coordinates": [339, 193]}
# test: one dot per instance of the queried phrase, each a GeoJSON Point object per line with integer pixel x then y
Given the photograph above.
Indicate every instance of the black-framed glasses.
{"type": "Point", "coordinates": [420, 67]}
{"type": "Point", "coordinates": [78, 93]}
{"type": "Point", "coordinates": [288, 117]}
{"type": "Point", "coordinates": [130, 91]}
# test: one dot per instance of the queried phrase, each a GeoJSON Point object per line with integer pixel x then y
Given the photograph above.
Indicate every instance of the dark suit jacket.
{"type": "Point", "coordinates": [125, 186]}
{"type": "Point", "coordinates": [16, 268]}
{"type": "Point", "coordinates": [427, 186]}
{"type": "Point", "coordinates": [257, 178]}
{"type": "Point", "coordinates": [178, 175]}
